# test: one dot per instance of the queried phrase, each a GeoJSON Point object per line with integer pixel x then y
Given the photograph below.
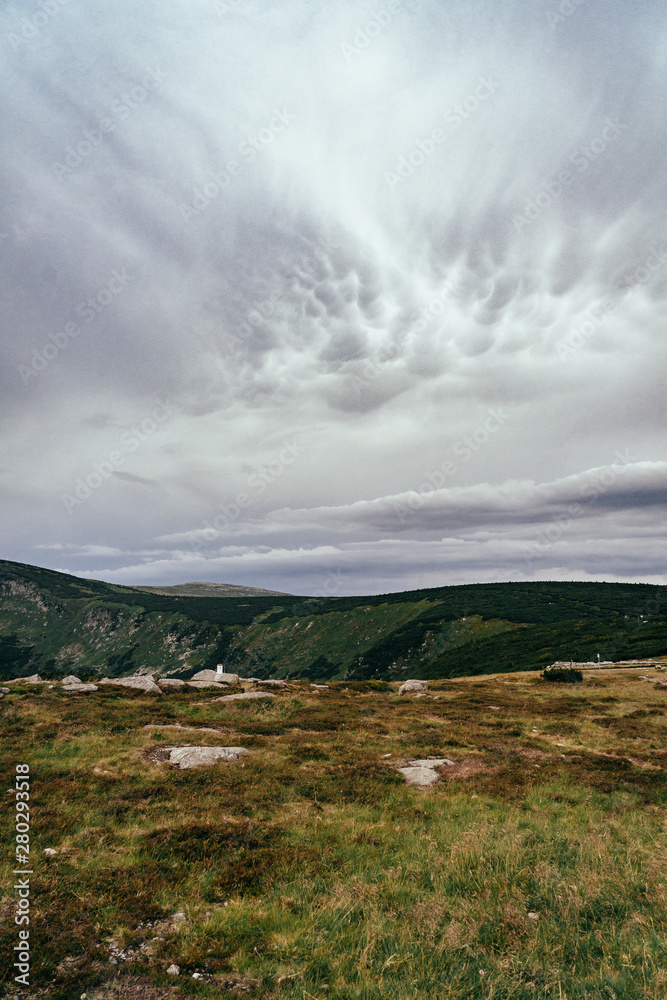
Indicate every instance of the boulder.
{"type": "Point", "coordinates": [213, 675]}
{"type": "Point", "coordinates": [272, 684]}
{"type": "Point", "coordinates": [71, 679]}
{"type": "Point", "coordinates": [412, 686]}
{"type": "Point", "coordinates": [245, 696]}
{"type": "Point", "coordinates": [79, 688]}
{"type": "Point", "coordinates": [186, 757]}
{"type": "Point", "coordinates": [5, 690]}
{"type": "Point", "coordinates": [171, 682]}
{"type": "Point", "coordinates": [144, 683]}
{"type": "Point", "coordinates": [249, 680]}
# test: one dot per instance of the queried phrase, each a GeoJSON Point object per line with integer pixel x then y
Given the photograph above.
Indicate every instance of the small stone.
{"type": "Point", "coordinates": [5, 690]}
{"type": "Point", "coordinates": [197, 975]}
{"type": "Point", "coordinates": [49, 850]}
{"type": "Point", "coordinates": [173, 970]}
{"type": "Point", "coordinates": [533, 916]}
{"type": "Point", "coordinates": [178, 917]}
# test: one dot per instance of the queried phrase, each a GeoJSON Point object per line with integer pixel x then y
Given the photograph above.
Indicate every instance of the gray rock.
{"type": "Point", "coordinates": [245, 696]}
{"type": "Point", "coordinates": [412, 686]}
{"type": "Point", "coordinates": [272, 684]}
{"type": "Point", "coordinates": [213, 675]}
{"type": "Point", "coordinates": [421, 776]}
{"type": "Point", "coordinates": [144, 683]}
{"type": "Point", "coordinates": [249, 680]}
{"type": "Point", "coordinates": [71, 679]}
{"type": "Point", "coordinates": [173, 970]}
{"type": "Point", "coordinates": [5, 690]}
{"type": "Point", "coordinates": [424, 772]}
{"type": "Point", "coordinates": [171, 682]}
{"type": "Point", "coordinates": [187, 757]}
{"type": "Point", "coordinates": [320, 687]}
{"type": "Point", "coordinates": [79, 688]}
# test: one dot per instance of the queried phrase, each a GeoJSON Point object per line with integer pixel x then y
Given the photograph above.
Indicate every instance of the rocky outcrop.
{"type": "Point", "coordinates": [144, 683]}
{"type": "Point", "coordinates": [412, 686]}
{"type": "Point", "coordinates": [272, 684]}
{"type": "Point", "coordinates": [171, 682]}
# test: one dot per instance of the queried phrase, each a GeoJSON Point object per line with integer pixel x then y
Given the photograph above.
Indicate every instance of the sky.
{"type": "Point", "coordinates": [334, 299]}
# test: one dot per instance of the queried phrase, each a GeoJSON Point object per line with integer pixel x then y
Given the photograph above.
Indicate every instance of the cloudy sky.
{"type": "Point", "coordinates": [334, 298]}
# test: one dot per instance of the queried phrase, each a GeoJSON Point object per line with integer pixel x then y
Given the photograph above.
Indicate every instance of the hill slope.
{"type": "Point", "coordinates": [53, 622]}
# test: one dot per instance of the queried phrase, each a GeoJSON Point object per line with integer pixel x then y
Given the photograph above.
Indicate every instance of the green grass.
{"type": "Point", "coordinates": [310, 869]}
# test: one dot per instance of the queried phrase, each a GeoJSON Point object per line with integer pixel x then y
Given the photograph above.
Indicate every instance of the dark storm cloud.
{"type": "Point", "coordinates": [366, 225]}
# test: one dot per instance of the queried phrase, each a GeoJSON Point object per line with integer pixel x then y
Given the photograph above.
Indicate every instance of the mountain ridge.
{"type": "Point", "coordinates": [54, 624]}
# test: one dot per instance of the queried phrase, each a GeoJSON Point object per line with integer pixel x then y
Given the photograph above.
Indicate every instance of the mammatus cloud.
{"type": "Point", "coordinates": [323, 257]}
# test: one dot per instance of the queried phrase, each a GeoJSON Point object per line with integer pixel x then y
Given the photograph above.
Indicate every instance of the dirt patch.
{"type": "Point", "coordinates": [467, 767]}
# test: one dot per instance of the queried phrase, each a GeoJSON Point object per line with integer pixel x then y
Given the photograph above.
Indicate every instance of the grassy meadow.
{"type": "Point", "coordinates": [309, 869]}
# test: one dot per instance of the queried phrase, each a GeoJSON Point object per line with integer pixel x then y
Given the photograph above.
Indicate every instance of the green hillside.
{"type": "Point", "coordinates": [52, 623]}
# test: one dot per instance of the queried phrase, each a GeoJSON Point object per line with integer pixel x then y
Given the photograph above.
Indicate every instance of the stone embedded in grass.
{"type": "Point", "coordinates": [411, 686]}
{"type": "Point", "coordinates": [272, 683]}
{"type": "Point", "coordinates": [186, 757]}
{"type": "Point", "coordinates": [173, 970]}
{"type": "Point", "coordinates": [171, 682]}
{"type": "Point", "coordinates": [71, 679]}
{"type": "Point", "coordinates": [424, 772]}
{"type": "Point", "coordinates": [5, 690]}
{"type": "Point", "coordinates": [144, 683]}
{"type": "Point", "coordinates": [49, 851]}
{"type": "Point", "coordinates": [79, 688]}
{"type": "Point", "coordinates": [245, 696]}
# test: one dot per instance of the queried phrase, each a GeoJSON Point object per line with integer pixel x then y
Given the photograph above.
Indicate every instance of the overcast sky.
{"type": "Point", "coordinates": [334, 298]}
